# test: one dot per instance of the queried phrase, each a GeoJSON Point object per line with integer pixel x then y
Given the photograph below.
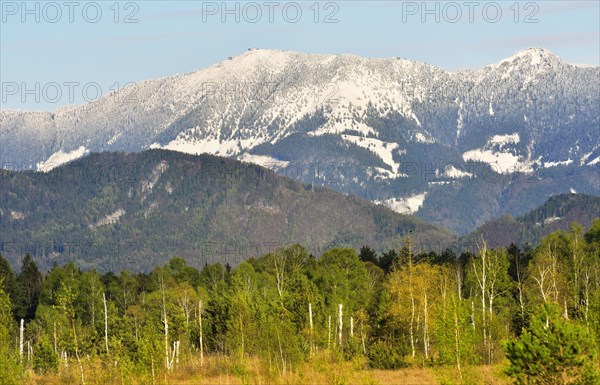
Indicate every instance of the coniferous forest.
{"type": "Point", "coordinates": [494, 316]}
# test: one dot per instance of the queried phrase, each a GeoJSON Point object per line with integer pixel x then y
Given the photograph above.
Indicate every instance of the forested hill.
{"type": "Point", "coordinates": [113, 211]}
{"type": "Point", "coordinates": [557, 213]}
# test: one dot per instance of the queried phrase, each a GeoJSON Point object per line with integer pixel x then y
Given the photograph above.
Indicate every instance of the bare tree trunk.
{"type": "Point", "coordinates": [458, 282]}
{"type": "Point", "coordinates": [55, 344]}
{"type": "Point", "coordinates": [329, 333]}
{"type": "Point", "coordinates": [425, 335]}
{"type": "Point", "coordinates": [77, 349]}
{"type": "Point", "coordinates": [541, 282]}
{"type": "Point", "coordinates": [554, 274]}
{"type": "Point", "coordinates": [412, 300]}
{"type": "Point", "coordinates": [200, 332]}
{"type": "Point", "coordinates": [482, 281]}
{"type": "Point", "coordinates": [166, 323]}
{"type": "Point", "coordinates": [279, 265]}
{"type": "Point", "coordinates": [520, 288]}
{"type": "Point", "coordinates": [105, 322]}
{"type": "Point", "coordinates": [242, 353]}
{"type": "Point", "coordinates": [586, 298]}
{"type": "Point", "coordinates": [310, 321]}
{"type": "Point", "coordinates": [457, 337]}
{"type": "Point", "coordinates": [340, 323]}
{"type": "Point", "coordinates": [577, 267]}
{"type": "Point", "coordinates": [280, 351]}
{"type": "Point", "coordinates": [152, 363]}
{"type": "Point", "coordinates": [351, 327]}
{"type": "Point", "coordinates": [21, 331]}
{"type": "Point", "coordinates": [362, 335]}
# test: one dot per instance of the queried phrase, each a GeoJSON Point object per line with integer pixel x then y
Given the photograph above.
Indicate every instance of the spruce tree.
{"type": "Point", "coordinates": [551, 351]}
{"type": "Point", "coordinates": [29, 286]}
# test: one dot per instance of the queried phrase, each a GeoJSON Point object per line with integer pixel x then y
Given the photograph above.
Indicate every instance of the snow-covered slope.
{"type": "Point", "coordinates": [385, 129]}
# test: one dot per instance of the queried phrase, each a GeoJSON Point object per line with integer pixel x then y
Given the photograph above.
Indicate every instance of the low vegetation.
{"type": "Point", "coordinates": [496, 316]}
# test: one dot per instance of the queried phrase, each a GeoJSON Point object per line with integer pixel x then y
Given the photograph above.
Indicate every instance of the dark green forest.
{"type": "Point", "coordinates": [115, 211]}
{"type": "Point", "coordinates": [535, 311]}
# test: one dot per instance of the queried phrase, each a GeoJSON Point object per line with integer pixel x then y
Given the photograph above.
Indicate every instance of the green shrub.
{"type": "Point", "coordinates": [551, 351]}
{"type": "Point", "coordinates": [45, 360]}
{"type": "Point", "coordinates": [384, 356]}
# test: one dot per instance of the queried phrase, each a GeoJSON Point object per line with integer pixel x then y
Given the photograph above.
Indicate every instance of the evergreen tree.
{"type": "Point", "coordinates": [29, 286]}
{"type": "Point", "coordinates": [368, 255]}
{"type": "Point", "coordinates": [551, 351]}
{"type": "Point", "coordinates": [8, 277]}
{"type": "Point", "coordinates": [9, 365]}
{"type": "Point", "coordinates": [387, 260]}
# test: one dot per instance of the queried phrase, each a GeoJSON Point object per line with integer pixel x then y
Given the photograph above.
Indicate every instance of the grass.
{"type": "Point", "coordinates": [221, 370]}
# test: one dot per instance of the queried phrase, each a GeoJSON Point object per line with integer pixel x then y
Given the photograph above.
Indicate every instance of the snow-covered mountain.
{"type": "Point", "coordinates": [396, 131]}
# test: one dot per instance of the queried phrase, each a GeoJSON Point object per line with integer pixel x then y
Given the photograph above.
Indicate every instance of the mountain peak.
{"type": "Point", "coordinates": [532, 56]}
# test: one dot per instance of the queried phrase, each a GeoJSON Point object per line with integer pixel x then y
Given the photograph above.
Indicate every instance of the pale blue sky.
{"type": "Point", "coordinates": [165, 38]}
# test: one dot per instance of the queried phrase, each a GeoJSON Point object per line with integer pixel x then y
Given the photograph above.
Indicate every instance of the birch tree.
{"type": "Point", "coordinates": [489, 276]}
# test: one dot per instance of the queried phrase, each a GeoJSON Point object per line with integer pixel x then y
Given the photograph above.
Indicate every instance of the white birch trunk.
{"type": "Point", "coordinates": [105, 322]}
{"type": "Point", "coordinates": [21, 331]}
{"type": "Point", "coordinates": [457, 338]}
{"type": "Point", "coordinates": [329, 333]}
{"type": "Point", "coordinates": [340, 325]}
{"type": "Point", "coordinates": [166, 327]}
{"type": "Point", "coordinates": [310, 321]}
{"type": "Point", "coordinates": [55, 345]}
{"type": "Point", "coordinates": [362, 336]}
{"type": "Point", "coordinates": [200, 332]}
{"type": "Point", "coordinates": [425, 335]}
{"type": "Point", "coordinates": [412, 323]}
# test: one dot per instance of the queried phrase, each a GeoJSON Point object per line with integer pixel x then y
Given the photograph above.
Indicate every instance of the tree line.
{"type": "Point", "coordinates": [539, 307]}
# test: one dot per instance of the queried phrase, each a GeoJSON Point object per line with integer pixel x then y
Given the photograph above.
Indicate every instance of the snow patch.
{"type": "Point", "coordinates": [264, 161]}
{"type": "Point", "coordinates": [502, 140]}
{"type": "Point", "coordinates": [109, 219]}
{"type": "Point", "coordinates": [551, 220]}
{"type": "Point", "coordinates": [59, 158]}
{"type": "Point", "coordinates": [501, 162]}
{"type": "Point", "coordinates": [16, 215]}
{"type": "Point", "coordinates": [157, 171]}
{"type": "Point", "coordinates": [420, 138]}
{"type": "Point", "coordinates": [114, 138]}
{"type": "Point", "coordinates": [559, 163]}
{"type": "Point", "coordinates": [452, 172]}
{"type": "Point", "coordinates": [211, 146]}
{"type": "Point", "coordinates": [383, 174]}
{"type": "Point", "coordinates": [383, 150]}
{"type": "Point", "coordinates": [407, 205]}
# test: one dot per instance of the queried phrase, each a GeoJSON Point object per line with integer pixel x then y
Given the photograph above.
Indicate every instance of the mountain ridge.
{"type": "Point", "coordinates": [137, 210]}
{"type": "Point", "coordinates": [426, 131]}
{"type": "Point", "coordinates": [557, 213]}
